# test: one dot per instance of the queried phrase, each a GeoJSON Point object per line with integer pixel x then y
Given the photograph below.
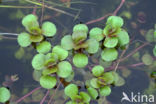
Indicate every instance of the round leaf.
{"type": "Point", "coordinates": [105, 91]}
{"type": "Point", "coordinates": [4, 94]}
{"type": "Point", "coordinates": [43, 47]}
{"type": "Point", "coordinates": [30, 21]}
{"type": "Point", "coordinates": [80, 27]}
{"type": "Point", "coordinates": [97, 70]}
{"type": "Point", "coordinates": [79, 36]}
{"type": "Point", "coordinates": [110, 42]}
{"type": "Point", "coordinates": [23, 39]}
{"type": "Point", "coordinates": [64, 69]}
{"type": "Point", "coordinates": [108, 77]}
{"type": "Point", "coordinates": [92, 92]}
{"type": "Point", "coordinates": [86, 98]}
{"type": "Point", "coordinates": [47, 81]}
{"type": "Point", "coordinates": [94, 83]}
{"type": "Point", "coordinates": [38, 61]}
{"type": "Point", "coordinates": [49, 29]}
{"type": "Point", "coordinates": [115, 21]}
{"type": "Point", "coordinates": [61, 52]}
{"type": "Point", "coordinates": [80, 60]}
{"type": "Point", "coordinates": [67, 42]}
{"type": "Point", "coordinates": [93, 46]}
{"type": "Point", "coordinates": [71, 90]}
{"type": "Point", "coordinates": [96, 33]}
{"type": "Point", "coordinates": [109, 54]}
{"type": "Point", "coordinates": [123, 38]}
{"type": "Point", "coordinates": [147, 59]}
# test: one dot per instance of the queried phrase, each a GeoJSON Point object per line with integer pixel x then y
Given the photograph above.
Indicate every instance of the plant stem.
{"type": "Point", "coordinates": [121, 4]}
{"type": "Point", "coordinates": [42, 101]}
{"type": "Point", "coordinates": [28, 94]}
{"type": "Point", "coordinates": [49, 102]}
{"type": "Point", "coordinates": [102, 18]}
{"type": "Point", "coordinates": [131, 53]}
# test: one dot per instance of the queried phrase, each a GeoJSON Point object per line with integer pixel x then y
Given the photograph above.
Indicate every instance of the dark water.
{"type": "Point", "coordinates": [138, 81]}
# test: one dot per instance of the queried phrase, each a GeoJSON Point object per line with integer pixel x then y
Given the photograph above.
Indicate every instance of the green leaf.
{"type": "Point", "coordinates": [96, 33]}
{"type": "Point", "coordinates": [110, 31]}
{"type": "Point", "coordinates": [108, 77]}
{"type": "Point", "coordinates": [147, 59]}
{"type": "Point", "coordinates": [105, 91]}
{"type": "Point", "coordinates": [30, 21]}
{"type": "Point", "coordinates": [71, 90]}
{"type": "Point", "coordinates": [80, 27]}
{"type": "Point", "coordinates": [109, 54]}
{"type": "Point", "coordinates": [115, 21]}
{"type": "Point", "coordinates": [23, 39]}
{"type": "Point", "coordinates": [36, 38]}
{"type": "Point", "coordinates": [97, 70]}
{"type": "Point", "coordinates": [93, 46]}
{"type": "Point", "coordinates": [49, 29]}
{"type": "Point", "coordinates": [93, 92]}
{"type": "Point", "coordinates": [61, 52]}
{"type": "Point", "coordinates": [80, 60]}
{"type": "Point", "coordinates": [110, 42]}
{"type": "Point", "coordinates": [49, 71]}
{"type": "Point", "coordinates": [154, 51]}
{"type": "Point", "coordinates": [48, 82]}
{"type": "Point", "coordinates": [94, 83]}
{"type": "Point", "coordinates": [64, 69]}
{"type": "Point", "coordinates": [70, 77]}
{"type": "Point", "coordinates": [149, 36]}
{"type": "Point", "coordinates": [4, 94]}
{"type": "Point", "coordinates": [67, 42]}
{"type": "Point", "coordinates": [86, 98]}
{"type": "Point", "coordinates": [38, 61]}
{"type": "Point", "coordinates": [123, 38]}
{"type": "Point", "coordinates": [43, 47]}
{"type": "Point", "coordinates": [79, 36]}
{"type": "Point", "coordinates": [71, 102]}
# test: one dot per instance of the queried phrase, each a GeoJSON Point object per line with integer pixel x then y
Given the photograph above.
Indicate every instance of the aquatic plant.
{"type": "Point", "coordinates": [54, 65]}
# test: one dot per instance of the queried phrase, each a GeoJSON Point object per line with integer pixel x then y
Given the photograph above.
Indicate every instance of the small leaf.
{"type": "Point", "coordinates": [64, 69]}
{"type": "Point", "coordinates": [154, 51]}
{"type": "Point", "coordinates": [38, 61]}
{"type": "Point", "coordinates": [79, 36]}
{"type": "Point", "coordinates": [43, 47]}
{"type": "Point", "coordinates": [93, 46]}
{"type": "Point", "coordinates": [47, 81]}
{"type": "Point", "coordinates": [36, 38]}
{"type": "Point", "coordinates": [49, 29]}
{"type": "Point", "coordinates": [80, 27]}
{"type": "Point", "coordinates": [23, 39]}
{"type": "Point", "coordinates": [123, 38]}
{"type": "Point", "coordinates": [30, 21]}
{"type": "Point", "coordinates": [105, 91]}
{"type": "Point", "coordinates": [4, 94]}
{"type": "Point", "coordinates": [94, 83]}
{"type": "Point", "coordinates": [147, 59]}
{"type": "Point", "coordinates": [49, 71]}
{"type": "Point", "coordinates": [86, 98]}
{"type": "Point", "coordinates": [67, 42]}
{"type": "Point", "coordinates": [80, 60]}
{"type": "Point", "coordinates": [93, 92]}
{"type": "Point", "coordinates": [109, 54]}
{"type": "Point", "coordinates": [110, 42]}
{"type": "Point", "coordinates": [61, 52]}
{"type": "Point", "coordinates": [71, 90]}
{"type": "Point", "coordinates": [115, 21]}
{"type": "Point", "coordinates": [108, 77]}
{"type": "Point", "coordinates": [97, 70]}
{"type": "Point", "coordinates": [96, 33]}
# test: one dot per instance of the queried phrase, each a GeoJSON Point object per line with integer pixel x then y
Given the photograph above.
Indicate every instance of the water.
{"type": "Point", "coordinates": [139, 79]}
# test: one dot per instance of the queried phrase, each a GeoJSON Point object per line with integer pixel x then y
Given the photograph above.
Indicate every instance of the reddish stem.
{"type": "Point", "coordinates": [102, 18]}
{"type": "Point", "coordinates": [131, 53]}
{"type": "Point", "coordinates": [42, 101]}
{"type": "Point", "coordinates": [19, 100]}
{"type": "Point", "coordinates": [121, 4]}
